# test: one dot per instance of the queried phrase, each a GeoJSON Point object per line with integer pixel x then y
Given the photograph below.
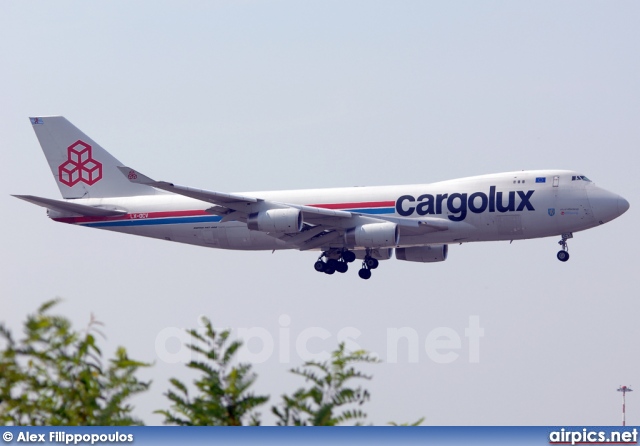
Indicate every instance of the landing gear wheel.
{"type": "Point", "coordinates": [319, 266]}
{"type": "Point", "coordinates": [364, 274]}
{"type": "Point", "coordinates": [563, 255]}
{"type": "Point", "coordinates": [333, 263]}
{"type": "Point", "coordinates": [371, 263]}
{"type": "Point", "coordinates": [342, 267]}
{"type": "Point", "coordinates": [329, 269]}
{"type": "Point", "coordinates": [348, 256]}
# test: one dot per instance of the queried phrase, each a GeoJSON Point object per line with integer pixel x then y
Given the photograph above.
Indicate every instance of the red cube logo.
{"type": "Point", "coordinates": [80, 166]}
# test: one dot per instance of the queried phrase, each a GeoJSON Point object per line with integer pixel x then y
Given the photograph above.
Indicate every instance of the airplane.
{"type": "Point", "coordinates": [418, 221]}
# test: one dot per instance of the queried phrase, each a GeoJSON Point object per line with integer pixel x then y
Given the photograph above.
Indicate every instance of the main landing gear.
{"type": "Point", "coordinates": [339, 261]}
{"type": "Point", "coordinates": [368, 264]}
{"type": "Point", "coordinates": [335, 262]}
{"type": "Point", "coordinates": [563, 255]}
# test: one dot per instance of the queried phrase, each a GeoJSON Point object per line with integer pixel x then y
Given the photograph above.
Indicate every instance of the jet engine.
{"type": "Point", "coordinates": [424, 254]}
{"type": "Point", "coordinates": [281, 221]}
{"type": "Point", "coordinates": [373, 235]}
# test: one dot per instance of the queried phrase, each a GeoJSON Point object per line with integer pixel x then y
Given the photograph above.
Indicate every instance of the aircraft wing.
{"type": "Point", "coordinates": [321, 225]}
{"type": "Point", "coordinates": [224, 199]}
{"type": "Point", "coordinates": [416, 226]}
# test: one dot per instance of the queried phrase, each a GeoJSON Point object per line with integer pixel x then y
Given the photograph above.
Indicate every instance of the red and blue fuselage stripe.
{"type": "Point", "coordinates": [200, 216]}
{"type": "Point", "coordinates": [367, 207]}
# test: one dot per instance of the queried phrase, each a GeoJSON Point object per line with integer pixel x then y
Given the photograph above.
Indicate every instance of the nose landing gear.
{"type": "Point", "coordinates": [563, 255]}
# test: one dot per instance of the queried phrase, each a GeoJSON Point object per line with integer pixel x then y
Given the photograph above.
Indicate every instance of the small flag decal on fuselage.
{"type": "Point", "coordinates": [541, 180]}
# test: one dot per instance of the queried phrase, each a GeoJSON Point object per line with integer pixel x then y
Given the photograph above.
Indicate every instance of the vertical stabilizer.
{"type": "Point", "coordinates": [80, 166]}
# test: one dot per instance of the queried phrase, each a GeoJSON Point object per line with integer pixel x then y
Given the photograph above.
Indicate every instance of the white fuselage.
{"type": "Point", "coordinates": [505, 206]}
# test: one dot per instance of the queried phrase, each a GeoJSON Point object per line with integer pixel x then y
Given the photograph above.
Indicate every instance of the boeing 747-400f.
{"type": "Point", "coordinates": [419, 221]}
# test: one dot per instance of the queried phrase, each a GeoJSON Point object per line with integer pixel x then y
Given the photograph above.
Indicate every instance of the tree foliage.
{"type": "Point", "coordinates": [329, 400]}
{"type": "Point", "coordinates": [55, 376]}
{"type": "Point", "coordinates": [415, 423]}
{"type": "Point", "coordinates": [224, 397]}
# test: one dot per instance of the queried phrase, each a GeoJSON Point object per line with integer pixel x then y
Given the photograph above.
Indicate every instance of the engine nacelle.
{"type": "Point", "coordinates": [424, 254]}
{"type": "Point", "coordinates": [281, 221]}
{"type": "Point", "coordinates": [373, 235]}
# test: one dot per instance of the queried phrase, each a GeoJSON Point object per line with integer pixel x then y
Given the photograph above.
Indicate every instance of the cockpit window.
{"type": "Point", "coordinates": [580, 178]}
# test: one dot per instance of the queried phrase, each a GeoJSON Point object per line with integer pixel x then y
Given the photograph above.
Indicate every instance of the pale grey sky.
{"type": "Point", "coordinates": [239, 96]}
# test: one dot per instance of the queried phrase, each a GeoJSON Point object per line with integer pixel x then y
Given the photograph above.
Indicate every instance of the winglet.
{"type": "Point", "coordinates": [135, 177]}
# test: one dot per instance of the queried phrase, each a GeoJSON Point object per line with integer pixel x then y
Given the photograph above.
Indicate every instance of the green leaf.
{"type": "Point", "coordinates": [330, 398]}
{"type": "Point", "coordinates": [54, 376]}
{"type": "Point", "coordinates": [222, 396]}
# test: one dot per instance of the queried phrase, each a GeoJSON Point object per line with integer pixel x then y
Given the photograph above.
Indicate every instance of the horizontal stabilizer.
{"type": "Point", "coordinates": [65, 207]}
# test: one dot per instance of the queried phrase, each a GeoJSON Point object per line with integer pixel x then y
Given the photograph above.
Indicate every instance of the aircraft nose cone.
{"type": "Point", "coordinates": [623, 205]}
{"type": "Point", "coordinates": [606, 205]}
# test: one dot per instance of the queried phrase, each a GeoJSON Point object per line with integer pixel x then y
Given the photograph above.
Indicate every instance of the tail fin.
{"type": "Point", "coordinates": [81, 167]}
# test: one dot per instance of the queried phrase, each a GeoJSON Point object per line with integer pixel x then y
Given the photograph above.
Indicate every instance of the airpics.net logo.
{"type": "Point", "coordinates": [440, 345]}
{"type": "Point", "coordinates": [589, 436]}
